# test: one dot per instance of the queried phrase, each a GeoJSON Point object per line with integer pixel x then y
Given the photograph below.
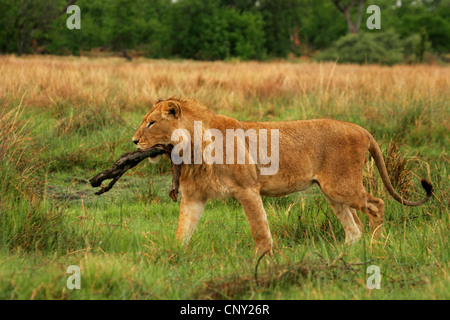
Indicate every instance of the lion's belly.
{"type": "Point", "coordinates": [273, 191]}
{"type": "Point", "coordinates": [289, 179]}
{"type": "Point", "coordinates": [298, 157]}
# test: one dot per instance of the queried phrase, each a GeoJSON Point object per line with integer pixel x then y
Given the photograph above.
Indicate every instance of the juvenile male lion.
{"type": "Point", "coordinates": [326, 152]}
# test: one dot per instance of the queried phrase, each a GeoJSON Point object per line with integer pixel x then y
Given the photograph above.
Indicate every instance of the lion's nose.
{"type": "Point", "coordinates": [136, 141]}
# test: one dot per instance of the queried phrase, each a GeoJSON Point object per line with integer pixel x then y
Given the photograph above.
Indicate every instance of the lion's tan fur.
{"type": "Point", "coordinates": [326, 152]}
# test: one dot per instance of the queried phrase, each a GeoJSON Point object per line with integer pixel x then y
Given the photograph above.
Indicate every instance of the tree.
{"type": "Point", "coordinates": [319, 27]}
{"type": "Point", "coordinates": [123, 28]}
{"type": "Point", "coordinates": [240, 5]}
{"type": "Point", "coordinates": [281, 22]}
{"type": "Point", "coordinates": [26, 17]}
{"type": "Point", "coordinates": [205, 30]}
{"type": "Point", "coordinates": [345, 8]}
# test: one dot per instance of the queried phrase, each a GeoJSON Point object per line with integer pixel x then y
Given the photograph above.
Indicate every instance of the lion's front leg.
{"type": "Point", "coordinates": [256, 215]}
{"type": "Point", "coordinates": [190, 213]}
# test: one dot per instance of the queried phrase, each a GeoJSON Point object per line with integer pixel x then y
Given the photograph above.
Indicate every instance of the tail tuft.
{"type": "Point", "coordinates": [428, 187]}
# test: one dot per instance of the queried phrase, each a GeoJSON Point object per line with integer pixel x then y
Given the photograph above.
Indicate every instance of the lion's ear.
{"type": "Point", "coordinates": [173, 109]}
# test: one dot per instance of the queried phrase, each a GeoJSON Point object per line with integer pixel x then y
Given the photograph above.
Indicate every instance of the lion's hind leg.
{"type": "Point", "coordinates": [345, 202]}
{"type": "Point", "coordinates": [357, 221]}
{"type": "Point", "coordinates": [349, 220]}
{"type": "Point", "coordinates": [374, 210]}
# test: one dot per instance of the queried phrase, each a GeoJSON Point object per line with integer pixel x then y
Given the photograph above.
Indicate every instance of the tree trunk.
{"type": "Point", "coordinates": [345, 9]}
{"type": "Point", "coordinates": [360, 14]}
{"type": "Point", "coordinates": [352, 28]}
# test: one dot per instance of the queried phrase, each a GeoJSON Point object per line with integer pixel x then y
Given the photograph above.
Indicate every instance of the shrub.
{"type": "Point", "coordinates": [203, 30]}
{"type": "Point", "coordinates": [377, 47]}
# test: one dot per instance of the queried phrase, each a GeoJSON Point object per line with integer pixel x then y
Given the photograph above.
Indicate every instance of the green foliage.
{"type": "Point", "coordinates": [245, 34]}
{"type": "Point", "coordinates": [201, 29]}
{"type": "Point", "coordinates": [319, 26]}
{"type": "Point", "coordinates": [364, 47]}
{"type": "Point", "coordinates": [281, 18]}
{"type": "Point", "coordinates": [61, 40]}
{"type": "Point", "coordinates": [415, 46]}
{"type": "Point", "coordinates": [21, 20]}
{"type": "Point", "coordinates": [437, 28]}
{"type": "Point", "coordinates": [8, 33]}
{"type": "Point", "coordinates": [220, 29]}
{"type": "Point", "coordinates": [415, 17]}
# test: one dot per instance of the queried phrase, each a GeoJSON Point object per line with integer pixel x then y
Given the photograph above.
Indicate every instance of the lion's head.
{"type": "Point", "coordinates": [164, 118]}
{"type": "Point", "coordinates": [157, 127]}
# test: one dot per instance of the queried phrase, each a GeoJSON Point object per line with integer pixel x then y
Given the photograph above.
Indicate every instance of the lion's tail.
{"type": "Point", "coordinates": [375, 151]}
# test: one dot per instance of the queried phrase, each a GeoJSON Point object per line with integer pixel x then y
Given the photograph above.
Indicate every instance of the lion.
{"type": "Point", "coordinates": [328, 153]}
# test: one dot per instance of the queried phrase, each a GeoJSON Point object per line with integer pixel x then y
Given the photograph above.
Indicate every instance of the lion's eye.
{"type": "Point", "coordinates": [150, 124]}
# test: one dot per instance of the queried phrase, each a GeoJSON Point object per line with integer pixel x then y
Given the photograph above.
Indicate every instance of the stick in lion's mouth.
{"type": "Point", "coordinates": [128, 161]}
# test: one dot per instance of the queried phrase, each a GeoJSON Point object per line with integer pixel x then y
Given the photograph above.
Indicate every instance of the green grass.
{"type": "Point", "coordinates": [125, 250]}
{"type": "Point", "coordinates": [123, 241]}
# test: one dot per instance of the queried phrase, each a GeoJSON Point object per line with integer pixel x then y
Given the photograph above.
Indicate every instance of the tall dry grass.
{"type": "Point", "coordinates": [48, 82]}
{"type": "Point", "coordinates": [18, 157]}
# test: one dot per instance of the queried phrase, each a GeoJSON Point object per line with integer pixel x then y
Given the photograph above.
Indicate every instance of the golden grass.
{"type": "Point", "coordinates": [50, 81]}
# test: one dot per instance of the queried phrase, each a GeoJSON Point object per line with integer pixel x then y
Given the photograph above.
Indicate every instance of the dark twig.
{"type": "Point", "coordinates": [130, 160]}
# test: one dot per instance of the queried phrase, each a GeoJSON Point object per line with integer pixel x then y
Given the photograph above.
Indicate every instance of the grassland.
{"type": "Point", "coordinates": [62, 120]}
